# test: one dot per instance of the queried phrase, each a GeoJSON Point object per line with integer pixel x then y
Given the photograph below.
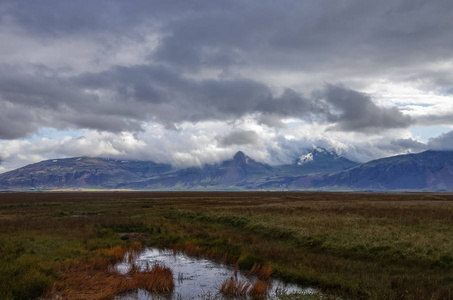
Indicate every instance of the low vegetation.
{"type": "Point", "coordinates": [356, 246]}
{"type": "Point", "coordinates": [234, 287]}
{"type": "Point", "coordinates": [158, 279]}
{"type": "Point", "coordinates": [256, 288]}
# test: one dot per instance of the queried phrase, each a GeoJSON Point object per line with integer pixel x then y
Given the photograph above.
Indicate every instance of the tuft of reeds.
{"type": "Point", "coordinates": [134, 251]}
{"type": "Point", "coordinates": [263, 273]}
{"type": "Point", "coordinates": [115, 254]}
{"type": "Point", "coordinates": [136, 246]}
{"type": "Point", "coordinates": [98, 263]}
{"type": "Point", "coordinates": [158, 279]}
{"type": "Point", "coordinates": [259, 290]}
{"type": "Point", "coordinates": [234, 287]}
{"type": "Point", "coordinates": [118, 253]}
{"type": "Point", "coordinates": [92, 280]}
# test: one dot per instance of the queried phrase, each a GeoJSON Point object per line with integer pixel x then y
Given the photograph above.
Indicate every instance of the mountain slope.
{"type": "Point", "coordinates": [81, 172]}
{"type": "Point", "coordinates": [241, 172]}
{"type": "Point", "coordinates": [317, 161]}
{"type": "Point", "coordinates": [429, 170]}
{"type": "Point", "coordinates": [318, 169]}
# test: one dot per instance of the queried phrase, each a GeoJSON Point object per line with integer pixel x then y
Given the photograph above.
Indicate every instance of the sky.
{"type": "Point", "coordinates": [192, 82]}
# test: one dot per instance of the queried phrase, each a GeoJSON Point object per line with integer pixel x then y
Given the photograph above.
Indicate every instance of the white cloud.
{"type": "Point", "coordinates": [172, 83]}
{"type": "Point", "coordinates": [198, 144]}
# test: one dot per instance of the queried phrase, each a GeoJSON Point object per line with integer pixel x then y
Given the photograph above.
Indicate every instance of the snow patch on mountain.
{"type": "Point", "coordinates": [305, 158]}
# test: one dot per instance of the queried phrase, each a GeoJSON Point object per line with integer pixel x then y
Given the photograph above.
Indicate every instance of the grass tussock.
{"type": "Point", "coordinates": [262, 272]}
{"type": "Point", "coordinates": [97, 279]}
{"type": "Point", "coordinates": [87, 281]}
{"type": "Point", "coordinates": [158, 279]}
{"type": "Point", "coordinates": [81, 280]}
{"type": "Point", "coordinates": [234, 288]}
{"type": "Point", "coordinates": [118, 253]}
{"type": "Point", "coordinates": [259, 289]}
{"type": "Point", "coordinates": [114, 254]}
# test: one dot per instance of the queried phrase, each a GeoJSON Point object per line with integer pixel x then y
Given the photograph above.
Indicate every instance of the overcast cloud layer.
{"type": "Point", "coordinates": [192, 82]}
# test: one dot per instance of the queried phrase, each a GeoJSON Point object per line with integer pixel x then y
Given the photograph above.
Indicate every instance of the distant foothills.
{"type": "Point", "coordinates": [318, 170]}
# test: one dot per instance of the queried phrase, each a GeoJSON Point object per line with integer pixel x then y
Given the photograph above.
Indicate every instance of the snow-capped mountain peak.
{"type": "Point", "coordinates": [305, 158]}
{"type": "Point", "coordinates": [318, 155]}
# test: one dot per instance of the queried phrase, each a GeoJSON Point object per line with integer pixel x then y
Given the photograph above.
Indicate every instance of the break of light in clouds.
{"type": "Point", "coordinates": [192, 82]}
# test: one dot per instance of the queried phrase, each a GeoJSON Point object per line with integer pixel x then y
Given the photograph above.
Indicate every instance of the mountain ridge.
{"type": "Point", "coordinates": [319, 169]}
{"type": "Point", "coordinates": [415, 171]}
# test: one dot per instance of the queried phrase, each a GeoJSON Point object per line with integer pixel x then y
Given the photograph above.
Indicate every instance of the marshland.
{"type": "Point", "coordinates": [346, 245]}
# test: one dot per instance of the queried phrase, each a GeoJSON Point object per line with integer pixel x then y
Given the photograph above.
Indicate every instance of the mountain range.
{"type": "Point", "coordinates": [319, 169]}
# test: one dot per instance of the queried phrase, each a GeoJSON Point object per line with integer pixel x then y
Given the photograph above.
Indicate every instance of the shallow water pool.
{"type": "Point", "coordinates": [194, 278]}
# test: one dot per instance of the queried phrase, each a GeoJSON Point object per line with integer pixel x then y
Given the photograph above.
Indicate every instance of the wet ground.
{"type": "Point", "coordinates": [194, 278]}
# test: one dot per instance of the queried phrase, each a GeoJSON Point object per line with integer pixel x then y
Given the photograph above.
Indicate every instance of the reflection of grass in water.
{"type": "Point", "coordinates": [392, 246]}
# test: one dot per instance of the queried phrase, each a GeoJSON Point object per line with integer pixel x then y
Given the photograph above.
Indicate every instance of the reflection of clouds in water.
{"type": "Point", "coordinates": [193, 277]}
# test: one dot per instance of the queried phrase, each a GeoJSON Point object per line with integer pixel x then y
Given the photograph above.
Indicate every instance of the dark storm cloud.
{"type": "Point", "coordinates": [402, 145]}
{"type": "Point", "coordinates": [330, 38]}
{"type": "Point", "coordinates": [274, 34]}
{"type": "Point", "coordinates": [49, 18]}
{"type": "Point", "coordinates": [311, 34]}
{"type": "Point", "coordinates": [442, 142]}
{"type": "Point", "coordinates": [171, 98]}
{"type": "Point", "coordinates": [38, 90]}
{"type": "Point", "coordinates": [29, 101]}
{"type": "Point", "coordinates": [444, 117]}
{"type": "Point", "coordinates": [240, 137]}
{"type": "Point", "coordinates": [124, 97]}
{"type": "Point", "coordinates": [355, 111]}
{"type": "Point", "coordinates": [271, 121]}
{"type": "Point", "coordinates": [409, 144]}
{"type": "Point", "coordinates": [15, 121]}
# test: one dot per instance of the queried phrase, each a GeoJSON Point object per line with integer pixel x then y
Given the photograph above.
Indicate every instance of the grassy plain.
{"type": "Point", "coordinates": [356, 246]}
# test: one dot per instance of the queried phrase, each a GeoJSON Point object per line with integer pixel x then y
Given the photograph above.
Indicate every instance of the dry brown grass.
{"type": "Point", "coordinates": [81, 282]}
{"type": "Point", "coordinates": [97, 279]}
{"type": "Point", "coordinates": [234, 287]}
{"type": "Point", "coordinates": [158, 279]}
{"type": "Point", "coordinates": [114, 254]}
{"type": "Point", "coordinates": [263, 273]}
{"type": "Point", "coordinates": [259, 290]}
{"type": "Point", "coordinates": [87, 281]}
{"type": "Point", "coordinates": [118, 253]}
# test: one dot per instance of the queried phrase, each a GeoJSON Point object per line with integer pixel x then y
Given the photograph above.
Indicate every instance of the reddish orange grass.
{"type": "Point", "coordinates": [263, 273]}
{"type": "Point", "coordinates": [158, 279]}
{"type": "Point", "coordinates": [234, 287]}
{"type": "Point", "coordinates": [96, 279]}
{"type": "Point", "coordinates": [259, 290]}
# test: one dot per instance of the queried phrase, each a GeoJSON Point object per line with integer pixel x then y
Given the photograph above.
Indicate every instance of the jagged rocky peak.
{"type": "Point", "coordinates": [305, 158]}
{"type": "Point", "coordinates": [316, 153]}
{"type": "Point", "coordinates": [240, 156]}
